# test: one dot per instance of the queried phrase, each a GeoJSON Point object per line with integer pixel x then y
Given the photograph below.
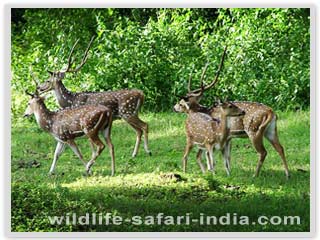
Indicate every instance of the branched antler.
{"type": "Point", "coordinates": [198, 92]}
{"type": "Point", "coordinates": [84, 58]}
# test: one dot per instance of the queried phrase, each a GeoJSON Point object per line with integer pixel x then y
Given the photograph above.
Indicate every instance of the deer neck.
{"type": "Point", "coordinates": [64, 96]}
{"type": "Point", "coordinates": [225, 125]}
{"type": "Point", "coordinates": [196, 107]}
{"type": "Point", "coordinates": [43, 116]}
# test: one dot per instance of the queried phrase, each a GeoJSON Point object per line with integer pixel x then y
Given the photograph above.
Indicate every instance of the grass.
{"type": "Point", "coordinates": [148, 185]}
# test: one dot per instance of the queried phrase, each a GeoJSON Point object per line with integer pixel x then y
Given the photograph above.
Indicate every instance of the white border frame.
{"type": "Point", "coordinates": [5, 124]}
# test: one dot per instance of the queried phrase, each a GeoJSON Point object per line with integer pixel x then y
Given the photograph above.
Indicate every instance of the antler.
{"type": "Point", "coordinates": [36, 81]}
{"type": "Point", "coordinates": [190, 78]}
{"type": "Point", "coordinates": [30, 94]}
{"type": "Point", "coordinates": [34, 78]}
{"type": "Point", "coordinates": [84, 59]}
{"type": "Point", "coordinates": [219, 70]}
{"type": "Point", "coordinates": [70, 55]}
{"type": "Point", "coordinates": [198, 92]}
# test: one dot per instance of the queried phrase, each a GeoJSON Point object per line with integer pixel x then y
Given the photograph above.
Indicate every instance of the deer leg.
{"type": "Point", "coordinates": [146, 139]}
{"type": "Point", "coordinates": [76, 151]}
{"type": "Point", "coordinates": [211, 161]}
{"type": "Point", "coordinates": [59, 149]}
{"type": "Point", "coordinates": [226, 156]}
{"type": "Point", "coordinates": [272, 136]}
{"type": "Point", "coordinates": [94, 140]}
{"type": "Point", "coordinates": [138, 140]}
{"type": "Point", "coordinates": [199, 156]}
{"type": "Point", "coordinates": [208, 159]}
{"type": "Point", "coordinates": [185, 156]}
{"type": "Point", "coordinates": [140, 127]}
{"type": "Point", "coordinates": [93, 150]}
{"type": "Point", "coordinates": [107, 135]}
{"type": "Point", "coordinates": [257, 141]}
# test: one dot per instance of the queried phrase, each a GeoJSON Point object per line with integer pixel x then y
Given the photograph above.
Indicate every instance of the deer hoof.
{"type": "Point", "coordinates": [51, 174]}
{"type": "Point", "coordinates": [150, 154]}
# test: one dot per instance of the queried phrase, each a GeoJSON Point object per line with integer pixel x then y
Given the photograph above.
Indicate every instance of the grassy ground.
{"type": "Point", "coordinates": [149, 185]}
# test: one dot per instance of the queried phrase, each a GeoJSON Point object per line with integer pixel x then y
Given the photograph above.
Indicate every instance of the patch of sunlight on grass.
{"type": "Point", "coordinates": [139, 180]}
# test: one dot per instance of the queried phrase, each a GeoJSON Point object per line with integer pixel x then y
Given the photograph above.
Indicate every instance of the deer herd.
{"type": "Point", "coordinates": [209, 128]}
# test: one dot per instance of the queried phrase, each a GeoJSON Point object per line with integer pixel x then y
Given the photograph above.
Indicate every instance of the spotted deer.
{"type": "Point", "coordinates": [125, 104]}
{"type": "Point", "coordinates": [258, 122]}
{"type": "Point", "coordinates": [207, 133]}
{"type": "Point", "coordinates": [70, 123]}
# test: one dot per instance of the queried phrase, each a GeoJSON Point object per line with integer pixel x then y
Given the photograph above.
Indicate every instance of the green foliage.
{"type": "Point", "coordinates": [155, 49]}
{"type": "Point", "coordinates": [148, 185]}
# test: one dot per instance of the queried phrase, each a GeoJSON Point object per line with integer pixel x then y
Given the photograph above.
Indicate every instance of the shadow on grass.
{"type": "Point", "coordinates": [151, 193]}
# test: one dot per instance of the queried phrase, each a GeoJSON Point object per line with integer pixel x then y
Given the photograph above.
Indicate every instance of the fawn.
{"type": "Point", "coordinates": [208, 133]}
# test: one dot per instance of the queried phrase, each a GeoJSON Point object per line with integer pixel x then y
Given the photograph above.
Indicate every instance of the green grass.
{"type": "Point", "coordinates": [143, 185]}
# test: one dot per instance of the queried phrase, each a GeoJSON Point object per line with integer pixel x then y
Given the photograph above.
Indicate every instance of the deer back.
{"type": "Point", "coordinates": [255, 115]}
{"type": "Point", "coordinates": [124, 103]}
{"type": "Point", "coordinates": [74, 122]}
{"type": "Point", "coordinates": [201, 128]}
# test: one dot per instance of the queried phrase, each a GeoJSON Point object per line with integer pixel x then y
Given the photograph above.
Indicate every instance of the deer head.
{"type": "Point", "coordinates": [57, 76]}
{"type": "Point", "coordinates": [181, 106]}
{"type": "Point", "coordinates": [33, 103]}
{"type": "Point", "coordinates": [229, 109]}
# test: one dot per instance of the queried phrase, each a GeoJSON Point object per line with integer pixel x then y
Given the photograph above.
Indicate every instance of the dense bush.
{"type": "Point", "coordinates": [155, 50]}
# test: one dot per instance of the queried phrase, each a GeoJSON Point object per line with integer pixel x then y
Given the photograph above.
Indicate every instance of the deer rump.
{"type": "Point", "coordinates": [82, 120]}
{"type": "Point", "coordinates": [257, 116]}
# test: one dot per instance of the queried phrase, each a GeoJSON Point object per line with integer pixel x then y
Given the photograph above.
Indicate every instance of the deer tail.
{"type": "Point", "coordinates": [140, 102]}
{"type": "Point", "coordinates": [267, 120]}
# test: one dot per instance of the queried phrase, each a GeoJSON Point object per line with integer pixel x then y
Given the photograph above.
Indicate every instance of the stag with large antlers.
{"type": "Point", "coordinates": [70, 123]}
{"type": "Point", "coordinates": [259, 121]}
{"type": "Point", "coordinates": [125, 104]}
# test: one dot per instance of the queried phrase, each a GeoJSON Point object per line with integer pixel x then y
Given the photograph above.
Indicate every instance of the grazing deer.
{"type": "Point", "coordinates": [70, 123]}
{"type": "Point", "coordinates": [124, 103]}
{"type": "Point", "coordinates": [206, 132]}
{"type": "Point", "coordinates": [258, 121]}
